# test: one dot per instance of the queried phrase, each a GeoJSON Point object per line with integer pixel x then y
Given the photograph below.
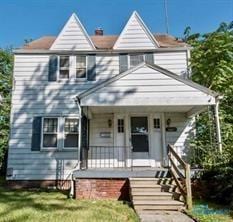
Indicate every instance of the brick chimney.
{"type": "Point", "coordinates": [99, 31]}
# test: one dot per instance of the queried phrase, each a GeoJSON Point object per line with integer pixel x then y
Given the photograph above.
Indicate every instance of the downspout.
{"type": "Point", "coordinates": [71, 193]}
{"type": "Point", "coordinates": [217, 122]}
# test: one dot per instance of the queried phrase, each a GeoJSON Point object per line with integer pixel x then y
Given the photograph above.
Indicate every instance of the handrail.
{"type": "Point", "coordinates": [176, 173]}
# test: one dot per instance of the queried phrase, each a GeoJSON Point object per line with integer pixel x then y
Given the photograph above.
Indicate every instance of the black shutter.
{"type": "Point", "coordinates": [123, 62]}
{"type": "Point", "coordinates": [36, 133]}
{"type": "Point", "coordinates": [53, 63]}
{"type": "Point", "coordinates": [91, 68]}
{"type": "Point", "coordinates": [149, 58]}
{"type": "Point", "coordinates": [84, 141]}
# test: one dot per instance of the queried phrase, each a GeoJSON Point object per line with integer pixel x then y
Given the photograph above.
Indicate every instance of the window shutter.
{"type": "Point", "coordinates": [123, 62]}
{"type": "Point", "coordinates": [149, 58]}
{"type": "Point", "coordinates": [91, 68]}
{"type": "Point", "coordinates": [53, 65]}
{"type": "Point", "coordinates": [84, 141]}
{"type": "Point", "coordinates": [36, 133]}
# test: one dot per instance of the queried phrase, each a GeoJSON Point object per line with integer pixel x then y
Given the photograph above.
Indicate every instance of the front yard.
{"type": "Point", "coordinates": [18, 205]}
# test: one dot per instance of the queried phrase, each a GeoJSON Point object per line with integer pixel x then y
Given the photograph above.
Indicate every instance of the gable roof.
{"type": "Point", "coordinates": [104, 42]}
{"type": "Point", "coordinates": [153, 67]}
{"type": "Point", "coordinates": [73, 37]}
{"type": "Point", "coordinates": [135, 35]}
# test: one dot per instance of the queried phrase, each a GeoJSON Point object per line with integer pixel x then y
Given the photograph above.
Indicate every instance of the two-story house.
{"type": "Point", "coordinates": [100, 102]}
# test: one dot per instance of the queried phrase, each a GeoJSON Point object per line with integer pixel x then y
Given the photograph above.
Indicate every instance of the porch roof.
{"type": "Point", "coordinates": [148, 85]}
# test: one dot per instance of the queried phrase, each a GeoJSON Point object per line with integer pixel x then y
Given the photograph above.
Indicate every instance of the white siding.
{"type": "Point", "coordinates": [73, 37]}
{"type": "Point", "coordinates": [180, 138]}
{"type": "Point", "coordinates": [33, 95]}
{"type": "Point", "coordinates": [99, 124]}
{"type": "Point", "coordinates": [135, 35]}
{"type": "Point", "coordinates": [140, 87]}
{"type": "Point", "coordinates": [175, 62]}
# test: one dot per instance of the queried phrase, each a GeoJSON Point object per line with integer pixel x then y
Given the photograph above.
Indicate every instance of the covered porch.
{"type": "Point", "coordinates": [128, 120]}
{"type": "Point", "coordinates": [132, 137]}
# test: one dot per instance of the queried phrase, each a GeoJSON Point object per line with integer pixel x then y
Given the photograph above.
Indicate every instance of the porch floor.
{"type": "Point", "coordinates": [122, 172]}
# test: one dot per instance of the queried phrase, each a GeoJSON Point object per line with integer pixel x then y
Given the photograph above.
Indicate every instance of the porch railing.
{"type": "Point", "coordinates": [180, 171]}
{"type": "Point", "coordinates": [109, 157]}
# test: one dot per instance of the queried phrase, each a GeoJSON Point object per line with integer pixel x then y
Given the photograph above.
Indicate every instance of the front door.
{"type": "Point", "coordinates": [139, 140]}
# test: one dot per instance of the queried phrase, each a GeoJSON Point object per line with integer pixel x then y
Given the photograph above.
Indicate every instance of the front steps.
{"type": "Point", "coordinates": [153, 194]}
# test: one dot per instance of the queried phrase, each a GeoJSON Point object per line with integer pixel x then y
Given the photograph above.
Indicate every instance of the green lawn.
{"type": "Point", "coordinates": [19, 205]}
{"type": "Point", "coordinates": [209, 212]}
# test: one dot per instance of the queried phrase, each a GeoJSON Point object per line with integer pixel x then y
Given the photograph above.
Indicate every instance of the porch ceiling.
{"type": "Point", "coordinates": [190, 110]}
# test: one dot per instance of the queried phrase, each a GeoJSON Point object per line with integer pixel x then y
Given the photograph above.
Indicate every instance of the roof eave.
{"type": "Point", "coordinates": [47, 51]}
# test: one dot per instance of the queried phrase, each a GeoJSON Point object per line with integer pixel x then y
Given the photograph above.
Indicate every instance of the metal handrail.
{"type": "Point", "coordinates": [109, 156]}
{"type": "Point", "coordinates": [179, 177]}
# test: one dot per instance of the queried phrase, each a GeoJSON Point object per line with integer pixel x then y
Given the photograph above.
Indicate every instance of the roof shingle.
{"type": "Point", "coordinates": [104, 42]}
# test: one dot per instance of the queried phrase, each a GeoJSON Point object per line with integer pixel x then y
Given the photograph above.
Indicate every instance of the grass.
{"type": "Point", "coordinates": [19, 205]}
{"type": "Point", "coordinates": [209, 212]}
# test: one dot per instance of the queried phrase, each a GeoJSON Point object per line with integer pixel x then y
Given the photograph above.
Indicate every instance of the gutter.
{"type": "Point", "coordinates": [71, 193]}
{"type": "Point", "coordinates": [98, 51]}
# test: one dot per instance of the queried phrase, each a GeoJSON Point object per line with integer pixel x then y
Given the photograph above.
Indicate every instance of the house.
{"type": "Point", "coordinates": [101, 108]}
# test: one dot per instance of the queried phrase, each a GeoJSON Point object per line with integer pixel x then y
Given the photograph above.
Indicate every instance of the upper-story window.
{"type": "Point", "coordinates": [136, 59]}
{"type": "Point", "coordinates": [81, 67]}
{"type": "Point", "coordinates": [64, 66]}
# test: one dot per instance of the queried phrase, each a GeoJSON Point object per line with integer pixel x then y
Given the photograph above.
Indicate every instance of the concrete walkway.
{"type": "Point", "coordinates": [164, 216]}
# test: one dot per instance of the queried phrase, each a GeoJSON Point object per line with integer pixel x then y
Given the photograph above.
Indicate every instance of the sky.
{"type": "Point", "coordinates": [31, 19]}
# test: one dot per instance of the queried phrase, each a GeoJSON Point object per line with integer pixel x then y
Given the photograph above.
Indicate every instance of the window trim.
{"type": "Point", "coordinates": [58, 69]}
{"type": "Point", "coordinates": [42, 133]}
{"type": "Point", "coordinates": [81, 79]}
{"type": "Point", "coordinates": [64, 133]}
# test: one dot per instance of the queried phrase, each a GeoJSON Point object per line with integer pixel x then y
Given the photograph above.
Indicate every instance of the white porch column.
{"type": "Point", "coordinates": [217, 122]}
{"type": "Point", "coordinates": [165, 157]}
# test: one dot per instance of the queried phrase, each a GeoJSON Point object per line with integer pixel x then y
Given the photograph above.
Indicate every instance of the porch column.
{"type": "Point", "coordinates": [164, 146]}
{"type": "Point", "coordinates": [217, 122]}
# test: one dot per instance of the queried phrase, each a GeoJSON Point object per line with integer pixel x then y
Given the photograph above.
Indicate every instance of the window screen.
{"type": "Point", "coordinates": [81, 69]}
{"type": "Point", "coordinates": [136, 59]}
{"type": "Point", "coordinates": [71, 132]}
{"type": "Point", "coordinates": [50, 127]}
{"type": "Point", "coordinates": [64, 67]}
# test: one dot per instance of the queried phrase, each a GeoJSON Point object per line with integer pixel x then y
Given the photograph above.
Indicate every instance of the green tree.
{"type": "Point", "coordinates": [6, 67]}
{"type": "Point", "coordinates": [212, 66]}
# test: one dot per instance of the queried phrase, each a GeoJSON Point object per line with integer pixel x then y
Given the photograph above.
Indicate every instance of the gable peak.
{"type": "Point", "coordinates": [136, 35]}
{"type": "Point", "coordinates": [73, 36]}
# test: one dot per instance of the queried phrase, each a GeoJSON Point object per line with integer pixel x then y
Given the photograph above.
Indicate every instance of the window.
{"type": "Point", "coordinates": [81, 69]}
{"type": "Point", "coordinates": [120, 126]}
{"type": "Point", "coordinates": [157, 123]}
{"type": "Point", "coordinates": [50, 130]}
{"type": "Point", "coordinates": [64, 67]}
{"type": "Point", "coordinates": [71, 132]}
{"type": "Point", "coordinates": [136, 59]}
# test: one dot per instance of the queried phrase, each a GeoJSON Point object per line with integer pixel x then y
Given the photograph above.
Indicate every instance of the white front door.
{"type": "Point", "coordinates": [140, 140]}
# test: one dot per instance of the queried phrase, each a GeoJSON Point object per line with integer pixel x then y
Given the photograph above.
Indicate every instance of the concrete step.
{"type": "Point", "coordinates": [150, 197]}
{"type": "Point", "coordinates": [151, 193]}
{"type": "Point", "coordinates": [158, 205]}
{"type": "Point", "coordinates": [145, 185]}
{"type": "Point", "coordinates": [147, 179]}
{"type": "Point", "coordinates": [146, 189]}
{"type": "Point", "coordinates": [158, 202]}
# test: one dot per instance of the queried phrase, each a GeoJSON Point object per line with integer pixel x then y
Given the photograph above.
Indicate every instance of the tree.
{"type": "Point", "coordinates": [212, 66]}
{"type": "Point", "coordinates": [6, 67]}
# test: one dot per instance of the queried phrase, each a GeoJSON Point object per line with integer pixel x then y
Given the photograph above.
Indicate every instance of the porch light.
{"type": "Point", "coordinates": [168, 122]}
{"type": "Point", "coordinates": [109, 123]}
